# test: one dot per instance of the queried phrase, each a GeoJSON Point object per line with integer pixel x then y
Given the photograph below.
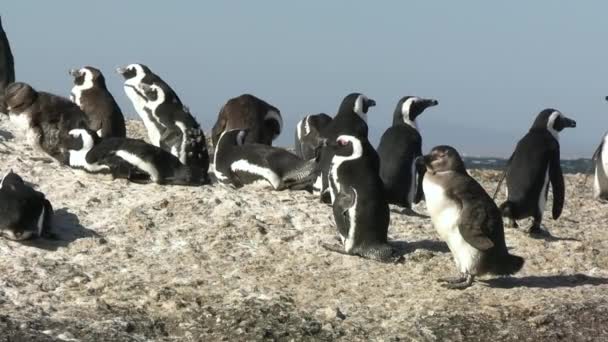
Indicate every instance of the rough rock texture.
{"type": "Point", "coordinates": [135, 262]}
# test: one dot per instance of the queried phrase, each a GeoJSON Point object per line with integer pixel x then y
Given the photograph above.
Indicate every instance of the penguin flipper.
{"type": "Point", "coordinates": [557, 184]}
{"type": "Point", "coordinates": [421, 170]}
{"type": "Point", "coordinates": [476, 219]}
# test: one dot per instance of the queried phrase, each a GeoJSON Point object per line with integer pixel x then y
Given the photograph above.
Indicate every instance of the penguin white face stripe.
{"type": "Point", "coordinates": [269, 175]}
{"type": "Point", "coordinates": [160, 97]}
{"type": "Point", "coordinates": [78, 89]}
{"type": "Point", "coordinates": [139, 163]}
{"type": "Point", "coordinates": [352, 217]}
{"type": "Point", "coordinates": [551, 122]}
{"type": "Point", "coordinates": [220, 176]}
{"type": "Point", "coordinates": [359, 105]}
{"type": "Point", "coordinates": [139, 75]}
{"type": "Point", "coordinates": [338, 160]}
{"type": "Point", "coordinates": [307, 125]}
{"type": "Point", "coordinates": [273, 115]}
{"type": "Point", "coordinates": [405, 112]}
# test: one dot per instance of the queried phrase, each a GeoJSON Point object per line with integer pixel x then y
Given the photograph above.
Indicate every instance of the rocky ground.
{"type": "Point", "coordinates": [135, 262]}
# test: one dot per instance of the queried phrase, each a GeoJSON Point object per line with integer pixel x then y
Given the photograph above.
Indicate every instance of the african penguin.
{"type": "Point", "coordinates": [134, 75]}
{"type": "Point", "coordinates": [238, 163]}
{"type": "Point", "coordinates": [308, 134]}
{"type": "Point", "coordinates": [131, 159]}
{"type": "Point", "coordinates": [360, 208]}
{"type": "Point", "coordinates": [183, 136]}
{"type": "Point", "coordinates": [45, 118]}
{"type": "Point", "coordinates": [399, 147]}
{"type": "Point", "coordinates": [24, 212]}
{"type": "Point", "coordinates": [262, 120]}
{"type": "Point", "coordinates": [466, 218]}
{"type": "Point", "coordinates": [534, 164]}
{"type": "Point", "coordinates": [7, 66]}
{"type": "Point", "coordinates": [351, 119]}
{"type": "Point", "coordinates": [600, 165]}
{"type": "Point", "coordinates": [93, 97]}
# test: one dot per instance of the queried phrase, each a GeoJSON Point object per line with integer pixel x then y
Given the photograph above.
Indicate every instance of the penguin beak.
{"type": "Point", "coordinates": [121, 70]}
{"type": "Point", "coordinates": [569, 123]}
{"type": "Point", "coordinates": [420, 161]}
{"type": "Point", "coordinates": [371, 103]}
{"type": "Point", "coordinates": [431, 102]}
{"type": "Point", "coordinates": [74, 72]}
{"type": "Point", "coordinates": [606, 98]}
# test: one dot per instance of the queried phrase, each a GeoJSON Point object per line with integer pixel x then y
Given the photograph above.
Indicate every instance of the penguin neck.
{"type": "Point", "coordinates": [411, 123]}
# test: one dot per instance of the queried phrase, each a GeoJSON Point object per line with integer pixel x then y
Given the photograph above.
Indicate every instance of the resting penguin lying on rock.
{"type": "Point", "coordinates": [24, 212]}
{"type": "Point", "coordinates": [132, 159]}
{"type": "Point", "coordinates": [238, 163]}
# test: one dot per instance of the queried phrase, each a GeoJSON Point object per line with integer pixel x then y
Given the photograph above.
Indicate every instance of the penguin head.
{"type": "Point", "coordinates": [154, 93]}
{"type": "Point", "coordinates": [86, 77]}
{"type": "Point", "coordinates": [442, 158]}
{"type": "Point", "coordinates": [409, 108]}
{"type": "Point", "coordinates": [347, 146]}
{"type": "Point", "coordinates": [356, 103]}
{"type": "Point", "coordinates": [133, 71]}
{"type": "Point", "coordinates": [11, 180]}
{"type": "Point", "coordinates": [18, 96]}
{"type": "Point", "coordinates": [81, 140]}
{"type": "Point", "coordinates": [553, 121]}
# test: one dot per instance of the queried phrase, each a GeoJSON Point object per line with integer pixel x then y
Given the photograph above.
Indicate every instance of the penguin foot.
{"type": "Point", "coordinates": [535, 230]}
{"type": "Point", "coordinates": [458, 283]}
{"type": "Point", "coordinates": [334, 248]}
{"type": "Point", "coordinates": [453, 280]}
{"type": "Point", "coordinates": [511, 223]}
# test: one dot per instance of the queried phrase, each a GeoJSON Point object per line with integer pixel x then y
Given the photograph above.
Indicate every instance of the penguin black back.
{"type": "Point", "coordinates": [7, 64]}
{"type": "Point", "coordinates": [308, 134]}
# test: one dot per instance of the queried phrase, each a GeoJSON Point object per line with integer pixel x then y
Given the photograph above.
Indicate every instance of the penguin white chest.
{"type": "Point", "coordinates": [76, 96]}
{"type": "Point", "coordinates": [140, 104]}
{"type": "Point", "coordinates": [542, 198]}
{"type": "Point", "coordinates": [597, 190]}
{"type": "Point", "coordinates": [445, 215]}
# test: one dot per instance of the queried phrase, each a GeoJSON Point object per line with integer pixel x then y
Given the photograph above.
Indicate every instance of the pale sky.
{"type": "Point", "coordinates": [492, 66]}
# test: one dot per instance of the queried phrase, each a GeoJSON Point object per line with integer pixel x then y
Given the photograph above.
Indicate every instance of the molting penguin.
{"type": "Point", "coordinates": [350, 120]}
{"type": "Point", "coordinates": [399, 147]}
{"type": "Point", "coordinates": [7, 66]}
{"type": "Point", "coordinates": [308, 134]}
{"type": "Point", "coordinates": [262, 120]}
{"type": "Point", "coordinates": [534, 163]}
{"type": "Point", "coordinates": [46, 118]}
{"type": "Point", "coordinates": [466, 218]}
{"type": "Point", "coordinates": [93, 97]}
{"type": "Point", "coordinates": [360, 209]}
{"type": "Point", "coordinates": [183, 136]}
{"type": "Point", "coordinates": [239, 163]}
{"type": "Point", "coordinates": [134, 75]}
{"type": "Point", "coordinates": [24, 212]}
{"type": "Point", "coordinates": [132, 159]}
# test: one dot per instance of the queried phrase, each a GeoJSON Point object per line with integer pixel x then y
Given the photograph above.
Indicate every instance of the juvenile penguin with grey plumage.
{"type": "Point", "coordinates": [262, 120]}
{"type": "Point", "coordinates": [131, 159]}
{"type": "Point", "coordinates": [134, 75]}
{"type": "Point", "coordinates": [183, 136]}
{"type": "Point", "coordinates": [466, 218]}
{"type": "Point", "coordinates": [360, 208]}
{"type": "Point", "coordinates": [7, 66]}
{"type": "Point", "coordinates": [351, 119]}
{"type": "Point", "coordinates": [600, 167]}
{"type": "Point", "coordinates": [238, 163]}
{"type": "Point", "coordinates": [24, 212]}
{"type": "Point", "coordinates": [308, 134]}
{"type": "Point", "coordinates": [93, 97]}
{"type": "Point", "coordinates": [399, 147]}
{"type": "Point", "coordinates": [45, 118]}
{"type": "Point", "coordinates": [534, 165]}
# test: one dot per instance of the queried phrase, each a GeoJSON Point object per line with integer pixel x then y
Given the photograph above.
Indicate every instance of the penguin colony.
{"type": "Point", "coordinates": [333, 157]}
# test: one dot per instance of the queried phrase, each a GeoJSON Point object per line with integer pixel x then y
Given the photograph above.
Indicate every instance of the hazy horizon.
{"type": "Point", "coordinates": [492, 67]}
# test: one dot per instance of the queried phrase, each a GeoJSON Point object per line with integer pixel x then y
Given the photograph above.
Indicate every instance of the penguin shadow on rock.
{"type": "Point", "coordinates": [65, 229]}
{"type": "Point", "coordinates": [545, 282]}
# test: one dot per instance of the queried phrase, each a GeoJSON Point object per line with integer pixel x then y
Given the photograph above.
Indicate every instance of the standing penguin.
{"type": "Point", "coordinates": [7, 66]}
{"type": "Point", "coordinates": [399, 147]}
{"type": "Point", "coordinates": [238, 163]}
{"type": "Point", "coordinates": [262, 120]}
{"type": "Point", "coordinates": [308, 134]}
{"type": "Point", "coordinates": [600, 165]}
{"type": "Point", "coordinates": [183, 136]}
{"type": "Point", "coordinates": [93, 97]}
{"type": "Point", "coordinates": [350, 120]}
{"type": "Point", "coordinates": [466, 218]}
{"type": "Point", "coordinates": [24, 212]}
{"type": "Point", "coordinates": [132, 159]}
{"type": "Point", "coordinates": [534, 163]}
{"type": "Point", "coordinates": [360, 209]}
{"type": "Point", "coordinates": [135, 75]}
{"type": "Point", "coordinates": [46, 118]}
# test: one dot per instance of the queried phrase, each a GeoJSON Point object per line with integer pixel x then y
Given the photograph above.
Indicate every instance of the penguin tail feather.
{"type": "Point", "coordinates": [509, 265]}
{"type": "Point", "coordinates": [305, 174]}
